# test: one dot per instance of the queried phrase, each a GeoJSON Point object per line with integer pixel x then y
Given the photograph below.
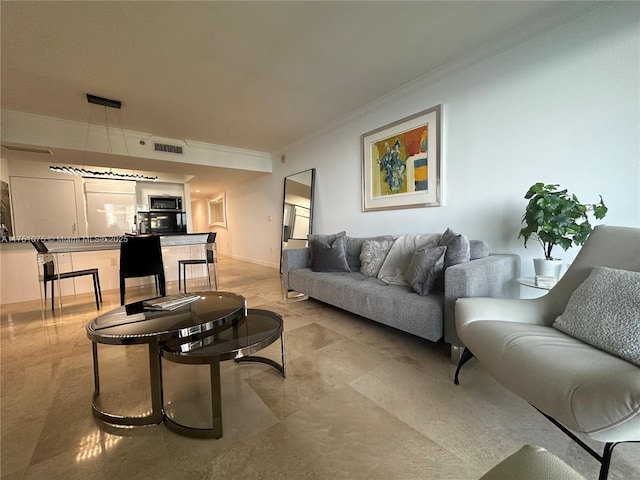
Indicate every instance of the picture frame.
{"type": "Point", "coordinates": [401, 163]}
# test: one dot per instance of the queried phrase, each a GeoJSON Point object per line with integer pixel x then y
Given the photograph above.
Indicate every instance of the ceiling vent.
{"type": "Point", "coordinates": [44, 151]}
{"type": "Point", "coordinates": [167, 148]}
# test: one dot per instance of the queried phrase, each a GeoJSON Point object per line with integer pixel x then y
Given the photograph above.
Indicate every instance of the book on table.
{"type": "Point", "coordinates": [170, 302]}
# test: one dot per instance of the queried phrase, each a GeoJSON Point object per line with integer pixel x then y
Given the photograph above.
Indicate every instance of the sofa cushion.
{"type": "Point", "coordinates": [478, 249]}
{"type": "Point", "coordinates": [394, 305]}
{"type": "Point", "coordinates": [372, 256]}
{"type": "Point", "coordinates": [329, 239]}
{"type": "Point", "coordinates": [328, 257]}
{"type": "Point", "coordinates": [425, 267]}
{"type": "Point", "coordinates": [400, 255]}
{"type": "Point", "coordinates": [354, 248]}
{"type": "Point", "coordinates": [604, 311]}
{"type": "Point", "coordinates": [458, 248]}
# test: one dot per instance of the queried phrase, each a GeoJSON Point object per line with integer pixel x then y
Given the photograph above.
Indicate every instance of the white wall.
{"type": "Point", "coordinates": [563, 107]}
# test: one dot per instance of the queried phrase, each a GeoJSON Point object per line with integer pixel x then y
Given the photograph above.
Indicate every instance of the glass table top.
{"type": "Point", "coordinates": [134, 323]}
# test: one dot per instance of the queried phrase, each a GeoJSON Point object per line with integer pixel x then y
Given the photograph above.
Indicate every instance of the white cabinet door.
{"type": "Point", "coordinates": [44, 206]}
{"type": "Point", "coordinates": [111, 207]}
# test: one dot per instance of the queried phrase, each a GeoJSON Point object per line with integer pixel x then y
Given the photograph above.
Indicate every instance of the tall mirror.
{"type": "Point", "coordinates": [297, 217]}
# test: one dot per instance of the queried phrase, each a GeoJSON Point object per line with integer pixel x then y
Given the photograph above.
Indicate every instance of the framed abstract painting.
{"type": "Point", "coordinates": [401, 163]}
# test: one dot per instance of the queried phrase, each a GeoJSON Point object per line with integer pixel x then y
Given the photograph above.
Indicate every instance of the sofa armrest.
{"type": "Point", "coordinates": [492, 276]}
{"type": "Point", "coordinates": [293, 259]}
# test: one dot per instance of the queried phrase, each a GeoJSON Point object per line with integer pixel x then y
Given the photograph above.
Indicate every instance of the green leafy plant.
{"type": "Point", "coordinates": [554, 217]}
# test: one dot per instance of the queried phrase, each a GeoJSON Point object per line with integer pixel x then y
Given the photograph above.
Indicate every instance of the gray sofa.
{"type": "Point", "coordinates": [431, 316]}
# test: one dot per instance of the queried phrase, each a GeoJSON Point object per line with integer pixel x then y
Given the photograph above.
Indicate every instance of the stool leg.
{"type": "Point", "coordinates": [284, 368]}
{"type": "Point", "coordinates": [99, 289]}
{"type": "Point", "coordinates": [95, 290]}
{"type": "Point", "coordinates": [184, 276]}
{"type": "Point", "coordinates": [215, 272]}
{"type": "Point", "coordinates": [122, 285]}
{"type": "Point", "coordinates": [216, 396]}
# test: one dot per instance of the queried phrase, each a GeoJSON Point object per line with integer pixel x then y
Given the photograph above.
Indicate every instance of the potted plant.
{"type": "Point", "coordinates": [555, 217]}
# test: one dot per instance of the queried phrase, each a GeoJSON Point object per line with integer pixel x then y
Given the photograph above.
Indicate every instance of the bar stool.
{"type": "Point", "coordinates": [141, 256]}
{"type": "Point", "coordinates": [210, 259]}
{"type": "Point", "coordinates": [50, 274]}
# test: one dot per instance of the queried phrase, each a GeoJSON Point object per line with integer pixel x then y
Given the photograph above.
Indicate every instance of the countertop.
{"type": "Point", "coordinates": [80, 244]}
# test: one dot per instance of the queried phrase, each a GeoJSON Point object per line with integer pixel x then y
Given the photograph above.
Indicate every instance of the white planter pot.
{"type": "Point", "coordinates": [547, 268]}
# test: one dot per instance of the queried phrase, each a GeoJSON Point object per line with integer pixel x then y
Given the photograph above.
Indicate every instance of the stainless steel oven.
{"type": "Point", "coordinates": [163, 223]}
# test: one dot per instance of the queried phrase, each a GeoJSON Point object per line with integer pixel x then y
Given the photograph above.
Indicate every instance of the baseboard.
{"type": "Point", "coordinates": [251, 260]}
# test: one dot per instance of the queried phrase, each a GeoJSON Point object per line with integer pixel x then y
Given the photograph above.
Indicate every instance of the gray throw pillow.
{"type": "Point", "coordinates": [372, 256]}
{"type": "Point", "coordinates": [329, 257]}
{"type": "Point", "coordinates": [458, 248]}
{"type": "Point", "coordinates": [424, 269]}
{"type": "Point", "coordinates": [604, 311]}
{"type": "Point", "coordinates": [324, 238]}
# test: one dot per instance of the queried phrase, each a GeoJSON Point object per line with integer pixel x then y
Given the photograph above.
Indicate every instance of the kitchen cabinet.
{"type": "Point", "coordinates": [111, 207]}
{"type": "Point", "coordinates": [44, 206]}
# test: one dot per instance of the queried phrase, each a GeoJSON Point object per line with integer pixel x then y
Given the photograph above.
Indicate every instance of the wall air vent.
{"type": "Point", "coordinates": [44, 151]}
{"type": "Point", "coordinates": [166, 148]}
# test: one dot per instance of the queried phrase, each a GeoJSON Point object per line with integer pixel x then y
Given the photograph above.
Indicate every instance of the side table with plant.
{"type": "Point", "coordinates": [555, 217]}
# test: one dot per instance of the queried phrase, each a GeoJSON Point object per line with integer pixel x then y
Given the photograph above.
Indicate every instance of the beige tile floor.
{"type": "Point", "coordinates": [360, 401]}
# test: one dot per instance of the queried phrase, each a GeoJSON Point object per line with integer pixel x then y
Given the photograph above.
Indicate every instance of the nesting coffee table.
{"type": "Point", "coordinates": [216, 327]}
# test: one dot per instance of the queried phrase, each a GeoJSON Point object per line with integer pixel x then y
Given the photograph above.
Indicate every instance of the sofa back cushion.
{"type": "Point", "coordinates": [478, 249]}
{"type": "Point", "coordinates": [354, 248]}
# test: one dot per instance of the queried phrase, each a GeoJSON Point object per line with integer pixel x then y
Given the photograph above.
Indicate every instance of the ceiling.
{"type": "Point", "coordinates": [251, 75]}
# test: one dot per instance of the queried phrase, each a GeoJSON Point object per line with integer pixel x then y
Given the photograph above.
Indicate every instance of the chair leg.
{"type": "Point", "coordinates": [121, 290]}
{"type": "Point", "coordinates": [184, 277]}
{"type": "Point", "coordinates": [161, 281]}
{"type": "Point", "coordinates": [466, 356]}
{"type": "Point", "coordinates": [606, 460]}
{"type": "Point", "coordinates": [53, 296]}
{"type": "Point", "coordinates": [95, 290]}
{"type": "Point", "coordinates": [179, 277]}
{"type": "Point", "coordinates": [99, 289]}
{"type": "Point", "coordinates": [45, 292]}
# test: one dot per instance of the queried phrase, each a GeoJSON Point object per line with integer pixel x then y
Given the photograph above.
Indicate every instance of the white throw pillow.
{"type": "Point", "coordinates": [604, 311]}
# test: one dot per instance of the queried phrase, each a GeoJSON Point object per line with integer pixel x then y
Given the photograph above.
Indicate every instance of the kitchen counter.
{"type": "Point", "coordinates": [20, 271]}
{"type": "Point", "coordinates": [88, 244]}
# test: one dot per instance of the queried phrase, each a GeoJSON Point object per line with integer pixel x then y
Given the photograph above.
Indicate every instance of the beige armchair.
{"type": "Point", "coordinates": [582, 389]}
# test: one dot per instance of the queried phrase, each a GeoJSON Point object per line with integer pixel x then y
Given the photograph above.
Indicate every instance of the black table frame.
{"type": "Point", "coordinates": [195, 354]}
{"type": "Point", "coordinates": [154, 340]}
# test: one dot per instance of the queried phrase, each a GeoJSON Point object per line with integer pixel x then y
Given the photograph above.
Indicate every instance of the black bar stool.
{"type": "Point", "coordinates": [51, 275]}
{"type": "Point", "coordinates": [141, 256]}
{"type": "Point", "coordinates": [210, 259]}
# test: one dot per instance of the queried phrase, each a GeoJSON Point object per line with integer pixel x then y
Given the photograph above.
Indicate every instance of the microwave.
{"type": "Point", "coordinates": [162, 223]}
{"type": "Point", "coordinates": [165, 203]}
